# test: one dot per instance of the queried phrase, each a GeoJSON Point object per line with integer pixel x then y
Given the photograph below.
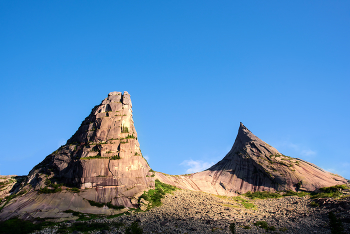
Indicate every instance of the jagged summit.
{"type": "Point", "coordinates": [102, 159]}
{"type": "Point", "coordinates": [254, 165]}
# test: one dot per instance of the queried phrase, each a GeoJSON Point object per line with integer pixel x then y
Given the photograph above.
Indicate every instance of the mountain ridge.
{"type": "Point", "coordinates": [102, 164]}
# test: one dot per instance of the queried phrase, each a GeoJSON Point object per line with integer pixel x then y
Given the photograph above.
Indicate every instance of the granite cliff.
{"type": "Point", "coordinates": [253, 165]}
{"type": "Point", "coordinates": [102, 163]}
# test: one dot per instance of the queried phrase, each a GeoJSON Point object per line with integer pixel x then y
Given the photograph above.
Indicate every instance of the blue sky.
{"type": "Point", "coordinates": [194, 69]}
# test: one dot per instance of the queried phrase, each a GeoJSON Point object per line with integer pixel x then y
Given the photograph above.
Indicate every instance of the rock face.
{"type": "Point", "coordinates": [103, 159]}
{"type": "Point", "coordinates": [101, 169]}
{"type": "Point", "coordinates": [253, 165]}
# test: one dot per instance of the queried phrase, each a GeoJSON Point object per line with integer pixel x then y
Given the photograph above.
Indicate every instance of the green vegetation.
{"type": "Point", "coordinates": [154, 196]}
{"type": "Point", "coordinates": [233, 228]}
{"type": "Point", "coordinates": [125, 129]}
{"type": "Point", "coordinates": [335, 224]}
{"type": "Point", "coordinates": [292, 193]}
{"type": "Point", "coordinates": [314, 204]}
{"type": "Point", "coordinates": [115, 157]}
{"type": "Point", "coordinates": [88, 227]}
{"type": "Point", "coordinates": [18, 226]}
{"type": "Point", "coordinates": [246, 227]}
{"type": "Point", "coordinates": [243, 202]}
{"type": "Point", "coordinates": [134, 229]}
{"type": "Point", "coordinates": [93, 157]}
{"type": "Point", "coordinates": [262, 195]}
{"type": "Point", "coordinates": [74, 190]}
{"type": "Point", "coordinates": [108, 204]}
{"type": "Point", "coordinates": [264, 225]}
{"type": "Point", "coordinates": [51, 187]}
{"type": "Point", "coordinates": [130, 136]}
{"type": "Point", "coordinates": [333, 191]}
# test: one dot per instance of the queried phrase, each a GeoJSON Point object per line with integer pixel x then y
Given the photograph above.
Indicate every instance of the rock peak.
{"type": "Point", "coordinates": [103, 160]}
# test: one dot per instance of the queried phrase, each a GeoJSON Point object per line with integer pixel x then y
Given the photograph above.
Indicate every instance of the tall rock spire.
{"type": "Point", "coordinates": [103, 159]}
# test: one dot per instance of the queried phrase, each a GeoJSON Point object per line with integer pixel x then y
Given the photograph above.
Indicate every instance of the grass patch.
{"type": "Point", "coordinates": [292, 193]}
{"type": "Point", "coordinates": [333, 191]}
{"type": "Point", "coordinates": [74, 190]}
{"type": "Point", "coordinates": [314, 204]}
{"type": "Point", "coordinates": [93, 157]}
{"type": "Point", "coordinates": [243, 202]}
{"type": "Point", "coordinates": [264, 225]}
{"type": "Point", "coordinates": [108, 204]}
{"type": "Point", "coordinates": [262, 195]}
{"type": "Point", "coordinates": [154, 196]}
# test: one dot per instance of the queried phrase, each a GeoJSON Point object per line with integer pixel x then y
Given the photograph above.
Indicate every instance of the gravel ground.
{"type": "Point", "coordinates": [196, 212]}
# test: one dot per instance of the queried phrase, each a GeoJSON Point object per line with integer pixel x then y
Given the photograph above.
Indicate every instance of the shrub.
{"type": "Point", "coordinates": [134, 229]}
{"type": "Point", "coordinates": [335, 224]}
{"type": "Point", "coordinates": [264, 225]}
{"type": "Point", "coordinates": [333, 191]}
{"type": "Point", "coordinates": [18, 226]}
{"type": "Point", "coordinates": [125, 129]}
{"type": "Point", "coordinates": [115, 157]}
{"type": "Point", "coordinates": [233, 228]}
{"type": "Point", "coordinates": [51, 188]}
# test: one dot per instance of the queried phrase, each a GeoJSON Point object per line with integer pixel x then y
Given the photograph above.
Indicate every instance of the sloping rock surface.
{"type": "Point", "coordinates": [253, 165]}
{"type": "Point", "coordinates": [102, 159]}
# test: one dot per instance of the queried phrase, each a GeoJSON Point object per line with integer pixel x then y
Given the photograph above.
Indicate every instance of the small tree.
{"type": "Point", "coordinates": [233, 228]}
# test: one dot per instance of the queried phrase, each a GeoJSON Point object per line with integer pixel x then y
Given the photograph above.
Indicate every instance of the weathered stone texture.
{"type": "Point", "coordinates": [253, 165]}
{"type": "Point", "coordinates": [103, 159]}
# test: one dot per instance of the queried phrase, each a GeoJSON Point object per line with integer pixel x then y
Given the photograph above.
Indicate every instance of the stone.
{"type": "Point", "coordinates": [103, 159]}
{"type": "Point", "coordinates": [253, 165]}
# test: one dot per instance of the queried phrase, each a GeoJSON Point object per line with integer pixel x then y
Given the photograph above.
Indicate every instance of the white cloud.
{"type": "Point", "coordinates": [308, 153]}
{"type": "Point", "coordinates": [196, 165]}
{"type": "Point", "coordinates": [146, 157]}
{"type": "Point", "coordinates": [62, 142]}
{"type": "Point", "coordinates": [298, 149]}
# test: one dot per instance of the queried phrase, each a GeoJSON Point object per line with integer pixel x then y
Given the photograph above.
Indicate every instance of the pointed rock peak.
{"type": "Point", "coordinates": [244, 135]}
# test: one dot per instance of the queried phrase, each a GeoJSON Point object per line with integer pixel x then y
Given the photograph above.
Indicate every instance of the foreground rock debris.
{"type": "Point", "coordinates": [100, 174]}
{"type": "Point", "coordinates": [187, 211]}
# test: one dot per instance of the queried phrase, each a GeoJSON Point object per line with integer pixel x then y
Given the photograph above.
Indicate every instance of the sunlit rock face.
{"type": "Point", "coordinates": [104, 154]}
{"type": "Point", "coordinates": [253, 165]}
{"type": "Point", "coordinates": [103, 159]}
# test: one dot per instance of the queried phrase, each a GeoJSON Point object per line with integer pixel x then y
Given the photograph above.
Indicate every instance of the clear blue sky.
{"type": "Point", "coordinates": [194, 70]}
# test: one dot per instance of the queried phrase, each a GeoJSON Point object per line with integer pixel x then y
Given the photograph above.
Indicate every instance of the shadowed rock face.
{"type": "Point", "coordinates": [253, 165]}
{"type": "Point", "coordinates": [103, 159]}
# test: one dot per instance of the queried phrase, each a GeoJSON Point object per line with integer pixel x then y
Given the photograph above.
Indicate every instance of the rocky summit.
{"type": "Point", "coordinates": [100, 182]}
{"type": "Point", "coordinates": [253, 165]}
{"type": "Point", "coordinates": [102, 161]}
